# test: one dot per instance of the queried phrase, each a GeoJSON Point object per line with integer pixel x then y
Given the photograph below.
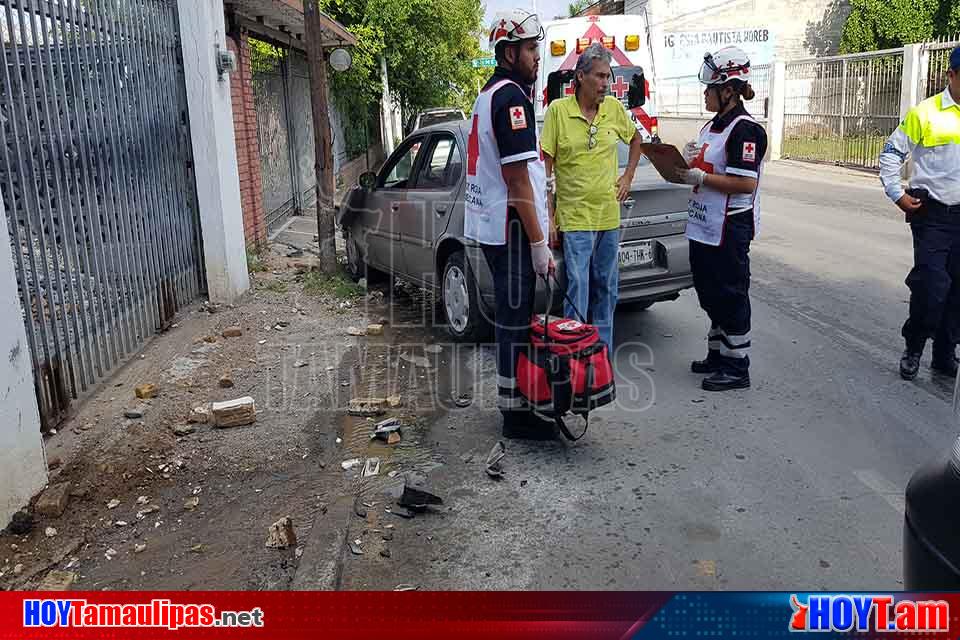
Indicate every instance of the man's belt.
{"type": "Point", "coordinates": [935, 205]}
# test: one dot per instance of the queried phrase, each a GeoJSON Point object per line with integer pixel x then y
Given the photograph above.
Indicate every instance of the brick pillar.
{"type": "Point", "coordinates": [248, 147]}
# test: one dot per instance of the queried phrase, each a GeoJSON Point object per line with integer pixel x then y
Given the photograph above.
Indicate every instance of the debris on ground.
{"type": "Point", "coordinates": [146, 391]}
{"type": "Point", "coordinates": [417, 499]}
{"type": "Point", "coordinates": [197, 548]}
{"type": "Point", "coordinates": [232, 332]}
{"type": "Point", "coordinates": [191, 503]}
{"type": "Point", "coordinates": [234, 413]}
{"type": "Point", "coordinates": [384, 428]}
{"type": "Point", "coordinates": [366, 406]}
{"type": "Point", "coordinates": [374, 329]}
{"type": "Point", "coordinates": [183, 429]}
{"type": "Point", "coordinates": [417, 361]}
{"type": "Point", "coordinates": [140, 548]}
{"type": "Point", "coordinates": [50, 532]}
{"type": "Point", "coordinates": [299, 364]}
{"type": "Point", "coordinates": [133, 414]}
{"type": "Point", "coordinates": [394, 402]}
{"type": "Point", "coordinates": [346, 465]}
{"type": "Point", "coordinates": [110, 553]}
{"type": "Point", "coordinates": [225, 381]}
{"type": "Point", "coordinates": [401, 512]}
{"type": "Point", "coordinates": [359, 509]}
{"type": "Point", "coordinates": [387, 535]}
{"type": "Point", "coordinates": [143, 500]}
{"type": "Point", "coordinates": [57, 581]}
{"type": "Point", "coordinates": [393, 438]}
{"type": "Point", "coordinates": [385, 553]}
{"type": "Point", "coordinates": [54, 462]}
{"type": "Point", "coordinates": [371, 467]}
{"type": "Point", "coordinates": [21, 524]}
{"type": "Point", "coordinates": [150, 508]}
{"type": "Point", "coordinates": [356, 331]}
{"type": "Point", "coordinates": [17, 569]}
{"type": "Point", "coordinates": [281, 534]}
{"type": "Point", "coordinates": [405, 587]}
{"type": "Point", "coordinates": [53, 501]}
{"type": "Point", "coordinates": [113, 504]}
{"type": "Point", "coordinates": [199, 415]}
{"type": "Point", "coordinates": [210, 339]}
{"type": "Point", "coordinates": [355, 547]}
{"type": "Point", "coordinates": [496, 455]}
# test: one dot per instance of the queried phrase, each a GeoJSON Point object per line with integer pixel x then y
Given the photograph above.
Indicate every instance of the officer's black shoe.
{"type": "Point", "coordinates": [724, 381]}
{"type": "Point", "coordinates": [705, 366]}
{"type": "Point", "coordinates": [522, 425]}
{"type": "Point", "coordinates": [910, 364]}
{"type": "Point", "coordinates": [944, 366]}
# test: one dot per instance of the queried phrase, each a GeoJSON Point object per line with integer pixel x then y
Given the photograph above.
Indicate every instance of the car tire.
{"type": "Point", "coordinates": [460, 301]}
{"type": "Point", "coordinates": [357, 266]}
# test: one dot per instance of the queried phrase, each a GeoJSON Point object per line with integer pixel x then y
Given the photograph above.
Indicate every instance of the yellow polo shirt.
{"type": "Point", "coordinates": [586, 178]}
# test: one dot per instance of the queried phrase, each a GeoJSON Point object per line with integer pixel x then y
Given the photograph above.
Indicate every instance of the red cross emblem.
{"type": "Point", "coordinates": [568, 89]}
{"type": "Point", "coordinates": [517, 113]}
{"type": "Point", "coordinates": [619, 88]}
{"type": "Point", "coordinates": [749, 147]}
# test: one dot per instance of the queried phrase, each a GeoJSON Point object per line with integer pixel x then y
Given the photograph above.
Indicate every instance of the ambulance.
{"type": "Point", "coordinates": [627, 39]}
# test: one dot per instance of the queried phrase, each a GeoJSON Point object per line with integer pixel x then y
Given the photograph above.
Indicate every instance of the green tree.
{"type": "Point", "coordinates": [428, 46]}
{"type": "Point", "coordinates": [575, 7]}
{"type": "Point", "coordinates": [884, 24]}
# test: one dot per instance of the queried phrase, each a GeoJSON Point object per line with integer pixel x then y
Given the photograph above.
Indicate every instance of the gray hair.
{"type": "Point", "coordinates": [590, 55]}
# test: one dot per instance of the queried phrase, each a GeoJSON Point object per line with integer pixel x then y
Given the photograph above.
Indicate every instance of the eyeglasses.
{"type": "Point", "coordinates": [592, 140]}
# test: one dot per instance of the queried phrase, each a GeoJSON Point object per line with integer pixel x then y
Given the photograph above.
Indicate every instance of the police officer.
{"type": "Point", "coordinates": [506, 208]}
{"type": "Point", "coordinates": [723, 216]}
{"type": "Point", "coordinates": [931, 135]}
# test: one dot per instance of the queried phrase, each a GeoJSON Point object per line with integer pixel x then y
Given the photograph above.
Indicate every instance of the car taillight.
{"type": "Point", "coordinates": [582, 44]}
{"type": "Point", "coordinates": [558, 47]}
{"type": "Point", "coordinates": [631, 43]}
{"type": "Point", "coordinates": [608, 42]}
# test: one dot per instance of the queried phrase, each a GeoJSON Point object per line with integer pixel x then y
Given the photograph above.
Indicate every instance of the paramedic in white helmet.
{"type": "Point", "coordinates": [723, 216]}
{"type": "Point", "coordinates": [506, 206]}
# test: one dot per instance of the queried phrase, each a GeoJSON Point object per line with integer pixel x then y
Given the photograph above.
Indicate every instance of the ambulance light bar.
{"type": "Point", "coordinates": [558, 47]}
{"type": "Point", "coordinates": [608, 42]}
{"type": "Point", "coordinates": [582, 44]}
{"type": "Point", "coordinates": [631, 43]}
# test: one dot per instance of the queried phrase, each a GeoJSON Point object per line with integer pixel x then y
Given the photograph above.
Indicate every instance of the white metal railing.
{"type": "Point", "coordinates": [934, 63]}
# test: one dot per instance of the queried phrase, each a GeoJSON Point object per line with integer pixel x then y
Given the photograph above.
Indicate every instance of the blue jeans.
{"type": "Point", "coordinates": [593, 275]}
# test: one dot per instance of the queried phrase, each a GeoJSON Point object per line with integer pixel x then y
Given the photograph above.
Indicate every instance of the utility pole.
{"type": "Point", "coordinates": [323, 151]}
{"type": "Point", "coordinates": [386, 108]}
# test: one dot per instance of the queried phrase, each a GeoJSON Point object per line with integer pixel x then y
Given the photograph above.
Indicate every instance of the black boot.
{"type": "Point", "coordinates": [707, 365]}
{"type": "Point", "coordinates": [910, 364]}
{"type": "Point", "coordinates": [725, 380]}
{"type": "Point", "coordinates": [524, 425]}
{"type": "Point", "coordinates": [943, 365]}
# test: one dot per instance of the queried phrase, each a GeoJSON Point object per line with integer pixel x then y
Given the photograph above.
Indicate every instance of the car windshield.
{"type": "Point", "coordinates": [428, 119]}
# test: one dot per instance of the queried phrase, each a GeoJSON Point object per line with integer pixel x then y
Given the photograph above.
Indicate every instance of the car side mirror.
{"type": "Point", "coordinates": [368, 180]}
{"type": "Point", "coordinates": [637, 93]}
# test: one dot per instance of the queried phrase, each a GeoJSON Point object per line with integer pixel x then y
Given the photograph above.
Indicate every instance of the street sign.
{"type": "Point", "coordinates": [484, 62]}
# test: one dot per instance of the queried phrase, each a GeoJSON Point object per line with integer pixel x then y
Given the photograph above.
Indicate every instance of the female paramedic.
{"type": "Point", "coordinates": [723, 215]}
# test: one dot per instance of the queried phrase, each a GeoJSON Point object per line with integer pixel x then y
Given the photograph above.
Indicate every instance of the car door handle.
{"type": "Point", "coordinates": [628, 203]}
{"type": "Point", "coordinates": [440, 208]}
{"type": "Point", "coordinates": [395, 206]}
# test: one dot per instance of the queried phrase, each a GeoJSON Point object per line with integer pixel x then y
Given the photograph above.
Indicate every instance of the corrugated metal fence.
{"type": "Point", "coordinates": [281, 87]}
{"type": "Point", "coordinates": [841, 109]}
{"type": "Point", "coordinates": [96, 183]}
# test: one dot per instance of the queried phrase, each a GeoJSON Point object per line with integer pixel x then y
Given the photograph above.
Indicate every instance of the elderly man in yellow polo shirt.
{"type": "Point", "coordinates": [930, 133]}
{"type": "Point", "coordinates": [579, 142]}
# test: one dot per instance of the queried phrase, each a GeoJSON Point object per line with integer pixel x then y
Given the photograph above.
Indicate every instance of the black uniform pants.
{"type": "Point", "coordinates": [721, 277]}
{"type": "Point", "coordinates": [934, 281]}
{"type": "Point", "coordinates": [514, 283]}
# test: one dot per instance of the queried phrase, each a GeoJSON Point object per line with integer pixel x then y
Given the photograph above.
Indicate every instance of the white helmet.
{"type": "Point", "coordinates": [730, 63]}
{"type": "Point", "coordinates": [514, 26]}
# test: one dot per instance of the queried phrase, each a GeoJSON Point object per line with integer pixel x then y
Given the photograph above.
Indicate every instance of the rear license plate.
{"type": "Point", "coordinates": [638, 254]}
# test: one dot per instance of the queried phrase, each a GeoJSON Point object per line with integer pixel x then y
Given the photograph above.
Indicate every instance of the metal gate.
{"type": "Point", "coordinates": [281, 88]}
{"type": "Point", "coordinates": [842, 109]}
{"type": "Point", "coordinates": [96, 183]}
{"type": "Point", "coordinates": [934, 64]}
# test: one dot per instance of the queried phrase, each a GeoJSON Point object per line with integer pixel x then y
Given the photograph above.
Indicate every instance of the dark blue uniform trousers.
{"type": "Point", "coordinates": [514, 283]}
{"type": "Point", "coordinates": [721, 277]}
{"type": "Point", "coordinates": [934, 282]}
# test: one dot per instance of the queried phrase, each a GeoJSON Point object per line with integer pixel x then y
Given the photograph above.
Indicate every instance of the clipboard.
{"type": "Point", "coordinates": [666, 158]}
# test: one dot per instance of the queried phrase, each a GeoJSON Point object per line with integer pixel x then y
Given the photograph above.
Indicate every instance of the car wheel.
{"type": "Point", "coordinates": [461, 301]}
{"type": "Point", "coordinates": [356, 262]}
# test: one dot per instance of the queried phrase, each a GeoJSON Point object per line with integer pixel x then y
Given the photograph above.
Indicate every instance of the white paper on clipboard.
{"type": "Point", "coordinates": [666, 158]}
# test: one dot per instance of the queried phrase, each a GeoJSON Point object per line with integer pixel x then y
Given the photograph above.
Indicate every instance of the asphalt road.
{"type": "Point", "coordinates": [796, 483]}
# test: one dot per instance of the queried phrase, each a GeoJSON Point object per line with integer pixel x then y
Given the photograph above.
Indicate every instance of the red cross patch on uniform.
{"type": "Point", "coordinates": [518, 118]}
{"type": "Point", "coordinates": [749, 152]}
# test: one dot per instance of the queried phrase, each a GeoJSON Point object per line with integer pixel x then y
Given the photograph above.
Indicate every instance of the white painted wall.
{"type": "Point", "coordinates": [23, 467]}
{"type": "Point", "coordinates": [214, 149]}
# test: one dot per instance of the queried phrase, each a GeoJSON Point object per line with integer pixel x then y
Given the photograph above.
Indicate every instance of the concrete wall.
{"type": "Point", "coordinates": [23, 468]}
{"type": "Point", "coordinates": [799, 28]}
{"type": "Point", "coordinates": [210, 104]}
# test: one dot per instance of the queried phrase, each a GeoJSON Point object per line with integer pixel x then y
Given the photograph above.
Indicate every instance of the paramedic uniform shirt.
{"type": "Point", "coordinates": [516, 138]}
{"type": "Point", "coordinates": [746, 147]}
